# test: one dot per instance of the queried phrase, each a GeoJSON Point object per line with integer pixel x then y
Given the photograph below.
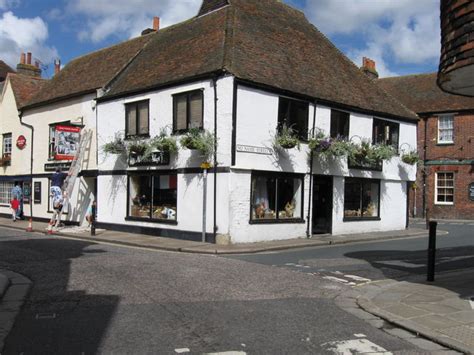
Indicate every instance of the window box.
{"type": "Point", "coordinates": [5, 160]}
{"type": "Point", "coordinates": [276, 198]}
{"type": "Point", "coordinates": [361, 199]}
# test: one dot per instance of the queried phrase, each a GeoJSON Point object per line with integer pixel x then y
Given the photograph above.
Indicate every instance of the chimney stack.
{"type": "Point", "coordinates": [156, 26]}
{"type": "Point", "coordinates": [368, 68]}
{"type": "Point", "coordinates": [26, 68]}
{"type": "Point", "coordinates": [156, 23]}
{"type": "Point", "coordinates": [57, 66]}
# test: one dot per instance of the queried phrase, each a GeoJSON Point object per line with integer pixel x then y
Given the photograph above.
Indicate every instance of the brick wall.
{"type": "Point", "coordinates": [461, 150]}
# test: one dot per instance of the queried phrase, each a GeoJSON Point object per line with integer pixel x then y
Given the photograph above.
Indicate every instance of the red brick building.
{"type": "Point", "coordinates": [445, 180]}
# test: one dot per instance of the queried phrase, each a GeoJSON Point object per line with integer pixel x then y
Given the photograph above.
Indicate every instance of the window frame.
{"type": "Point", "coordinates": [7, 191]}
{"type": "Point", "coordinates": [188, 95]}
{"type": "Point", "coordinates": [137, 121]}
{"type": "Point", "coordinates": [7, 155]}
{"type": "Point", "coordinates": [386, 123]}
{"type": "Point", "coordinates": [276, 176]}
{"type": "Point", "coordinates": [151, 175]}
{"type": "Point", "coordinates": [361, 181]}
{"type": "Point", "coordinates": [444, 203]}
{"type": "Point", "coordinates": [302, 136]}
{"type": "Point", "coordinates": [438, 129]}
{"type": "Point", "coordinates": [348, 123]}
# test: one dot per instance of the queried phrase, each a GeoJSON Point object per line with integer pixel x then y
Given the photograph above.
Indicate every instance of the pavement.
{"type": "Point", "coordinates": [442, 311]}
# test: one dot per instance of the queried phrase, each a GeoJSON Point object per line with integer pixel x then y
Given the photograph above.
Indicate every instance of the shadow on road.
{"type": "Point", "coordinates": [55, 318]}
{"type": "Point", "coordinates": [408, 263]}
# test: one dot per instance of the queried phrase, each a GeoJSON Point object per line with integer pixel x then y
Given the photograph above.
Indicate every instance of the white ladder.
{"type": "Point", "coordinates": [76, 166]}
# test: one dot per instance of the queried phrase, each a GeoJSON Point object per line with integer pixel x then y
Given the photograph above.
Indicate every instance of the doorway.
{"type": "Point", "coordinates": [322, 204]}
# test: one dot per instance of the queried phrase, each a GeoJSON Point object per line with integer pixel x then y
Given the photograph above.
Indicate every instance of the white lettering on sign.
{"type": "Point", "coordinates": [254, 150]}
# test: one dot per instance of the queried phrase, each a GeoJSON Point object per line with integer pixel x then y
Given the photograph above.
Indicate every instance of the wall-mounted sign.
{"type": "Point", "coordinates": [157, 158]}
{"type": "Point", "coordinates": [254, 150]}
{"type": "Point", "coordinates": [66, 142]}
{"type": "Point", "coordinates": [21, 142]}
{"type": "Point", "coordinates": [471, 191]}
{"type": "Point", "coordinates": [37, 192]}
{"type": "Point", "coordinates": [53, 166]}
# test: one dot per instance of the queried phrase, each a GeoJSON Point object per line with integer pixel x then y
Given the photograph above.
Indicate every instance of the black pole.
{"type": "Point", "coordinates": [32, 129]}
{"type": "Point", "coordinates": [93, 220]}
{"type": "Point", "coordinates": [309, 219]}
{"type": "Point", "coordinates": [432, 251]}
{"type": "Point", "coordinates": [214, 229]}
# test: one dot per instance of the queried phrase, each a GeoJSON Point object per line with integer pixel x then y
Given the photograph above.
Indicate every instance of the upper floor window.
{"type": "Point", "coordinates": [446, 129]}
{"type": "Point", "coordinates": [294, 114]}
{"type": "Point", "coordinates": [339, 124]}
{"type": "Point", "coordinates": [7, 145]}
{"type": "Point", "coordinates": [188, 110]}
{"type": "Point", "coordinates": [444, 188]}
{"type": "Point", "coordinates": [385, 132]}
{"type": "Point", "coordinates": [137, 119]}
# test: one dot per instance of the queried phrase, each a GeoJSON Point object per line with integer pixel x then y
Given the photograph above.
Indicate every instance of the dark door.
{"type": "Point", "coordinates": [322, 204]}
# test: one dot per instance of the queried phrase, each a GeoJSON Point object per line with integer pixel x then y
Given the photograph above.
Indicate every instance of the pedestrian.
{"type": "Point", "coordinates": [17, 193]}
{"type": "Point", "coordinates": [57, 210]}
{"type": "Point", "coordinates": [91, 212]}
{"type": "Point", "coordinates": [14, 204]}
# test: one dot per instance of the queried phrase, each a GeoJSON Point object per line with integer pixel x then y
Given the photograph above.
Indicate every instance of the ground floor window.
{"type": "Point", "coordinates": [153, 197]}
{"type": "Point", "coordinates": [361, 199]}
{"type": "Point", "coordinates": [6, 192]}
{"type": "Point", "coordinates": [276, 197]}
{"type": "Point", "coordinates": [444, 188]}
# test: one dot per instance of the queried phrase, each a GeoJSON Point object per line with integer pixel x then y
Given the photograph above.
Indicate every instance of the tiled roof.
{"type": "Point", "coordinates": [25, 87]}
{"type": "Point", "coordinates": [211, 5]}
{"type": "Point", "coordinates": [265, 42]}
{"type": "Point", "coordinates": [4, 70]}
{"type": "Point", "coordinates": [89, 72]}
{"type": "Point", "coordinates": [421, 94]}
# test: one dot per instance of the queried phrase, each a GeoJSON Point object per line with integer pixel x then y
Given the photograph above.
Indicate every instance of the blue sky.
{"type": "Point", "coordinates": [402, 36]}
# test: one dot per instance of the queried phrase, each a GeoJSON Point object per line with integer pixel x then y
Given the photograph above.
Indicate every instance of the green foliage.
{"type": "Point", "coordinates": [117, 146]}
{"type": "Point", "coordinates": [137, 147]}
{"type": "Point", "coordinates": [286, 138]}
{"type": "Point", "coordinates": [330, 147]}
{"type": "Point", "coordinates": [162, 142]}
{"type": "Point", "coordinates": [366, 154]}
{"type": "Point", "coordinates": [201, 140]}
{"type": "Point", "coordinates": [411, 157]}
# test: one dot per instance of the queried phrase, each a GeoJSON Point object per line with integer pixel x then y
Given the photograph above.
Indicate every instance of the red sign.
{"type": "Point", "coordinates": [66, 142]}
{"type": "Point", "coordinates": [21, 142]}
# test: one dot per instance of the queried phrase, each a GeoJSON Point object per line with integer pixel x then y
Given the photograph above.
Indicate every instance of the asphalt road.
{"type": "Point", "coordinates": [363, 262]}
{"type": "Point", "coordinates": [91, 298]}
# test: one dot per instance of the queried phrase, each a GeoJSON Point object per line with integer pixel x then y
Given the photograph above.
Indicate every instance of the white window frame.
{"type": "Point", "coordinates": [7, 144]}
{"type": "Point", "coordinates": [441, 117]}
{"type": "Point", "coordinates": [436, 202]}
{"type": "Point", "coordinates": [5, 192]}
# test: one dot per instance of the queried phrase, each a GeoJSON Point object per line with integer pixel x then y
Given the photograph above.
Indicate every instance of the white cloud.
{"type": "Point", "coordinates": [127, 18]}
{"type": "Point", "coordinates": [8, 4]}
{"type": "Point", "coordinates": [395, 32]}
{"type": "Point", "coordinates": [24, 35]}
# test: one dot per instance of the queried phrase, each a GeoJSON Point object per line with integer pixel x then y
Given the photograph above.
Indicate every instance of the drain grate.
{"type": "Point", "coordinates": [45, 316]}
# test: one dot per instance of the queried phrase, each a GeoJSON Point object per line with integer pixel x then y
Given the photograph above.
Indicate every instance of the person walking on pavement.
{"type": "Point", "coordinates": [17, 193]}
{"type": "Point", "coordinates": [14, 204]}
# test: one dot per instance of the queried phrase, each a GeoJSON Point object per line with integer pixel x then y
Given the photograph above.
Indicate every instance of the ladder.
{"type": "Point", "coordinates": [76, 166]}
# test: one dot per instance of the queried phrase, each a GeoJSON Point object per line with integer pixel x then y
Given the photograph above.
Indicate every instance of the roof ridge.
{"type": "Point", "coordinates": [408, 75]}
{"type": "Point", "coordinates": [228, 57]}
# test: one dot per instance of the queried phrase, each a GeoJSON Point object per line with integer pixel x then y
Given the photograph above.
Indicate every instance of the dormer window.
{"type": "Point", "coordinates": [294, 114]}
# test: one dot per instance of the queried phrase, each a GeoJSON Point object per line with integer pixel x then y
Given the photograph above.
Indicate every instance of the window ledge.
{"type": "Point", "coordinates": [445, 143]}
{"type": "Point", "coordinates": [444, 203]}
{"type": "Point", "coordinates": [278, 221]}
{"type": "Point", "coordinates": [149, 220]}
{"type": "Point", "coordinates": [360, 219]}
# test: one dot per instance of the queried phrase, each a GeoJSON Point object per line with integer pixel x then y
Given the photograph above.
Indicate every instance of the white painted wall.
{"type": "Point", "coordinates": [40, 118]}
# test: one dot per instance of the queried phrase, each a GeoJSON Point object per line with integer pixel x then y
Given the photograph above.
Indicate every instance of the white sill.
{"type": "Point", "coordinates": [445, 142]}
{"type": "Point", "coordinates": [444, 203]}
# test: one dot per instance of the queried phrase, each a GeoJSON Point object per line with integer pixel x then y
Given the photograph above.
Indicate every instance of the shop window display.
{"type": "Point", "coordinates": [361, 198]}
{"type": "Point", "coordinates": [276, 198]}
{"type": "Point", "coordinates": [153, 197]}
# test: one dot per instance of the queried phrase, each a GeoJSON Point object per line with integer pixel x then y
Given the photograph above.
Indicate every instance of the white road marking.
{"type": "Point", "coordinates": [401, 263]}
{"type": "Point", "coordinates": [357, 278]}
{"type": "Point", "coordinates": [228, 353]}
{"type": "Point", "coordinates": [360, 335]}
{"type": "Point", "coordinates": [355, 346]}
{"type": "Point", "coordinates": [337, 279]}
{"type": "Point", "coordinates": [290, 264]}
{"type": "Point", "coordinates": [182, 350]}
{"type": "Point", "coordinates": [298, 265]}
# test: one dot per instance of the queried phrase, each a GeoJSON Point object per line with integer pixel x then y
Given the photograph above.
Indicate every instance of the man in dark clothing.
{"type": "Point", "coordinates": [58, 178]}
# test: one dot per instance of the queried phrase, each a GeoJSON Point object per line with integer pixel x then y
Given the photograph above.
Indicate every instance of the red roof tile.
{"type": "Point", "coordinates": [24, 87]}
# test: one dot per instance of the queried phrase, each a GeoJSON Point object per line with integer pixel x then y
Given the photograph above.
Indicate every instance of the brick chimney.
{"type": "Point", "coordinates": [368, 68]}
{"type": "Point", "coordinates": [26, 68]}
{"type": "Point", "coordinates": [156, 26]}
{"type": "Point", "coordinates": [57, 66]}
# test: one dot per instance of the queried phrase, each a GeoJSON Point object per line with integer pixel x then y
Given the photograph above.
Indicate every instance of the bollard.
{"type": "Point", "coordinates": [431, 251]}
{"type": "Point", "coordinates": [93, 221]}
